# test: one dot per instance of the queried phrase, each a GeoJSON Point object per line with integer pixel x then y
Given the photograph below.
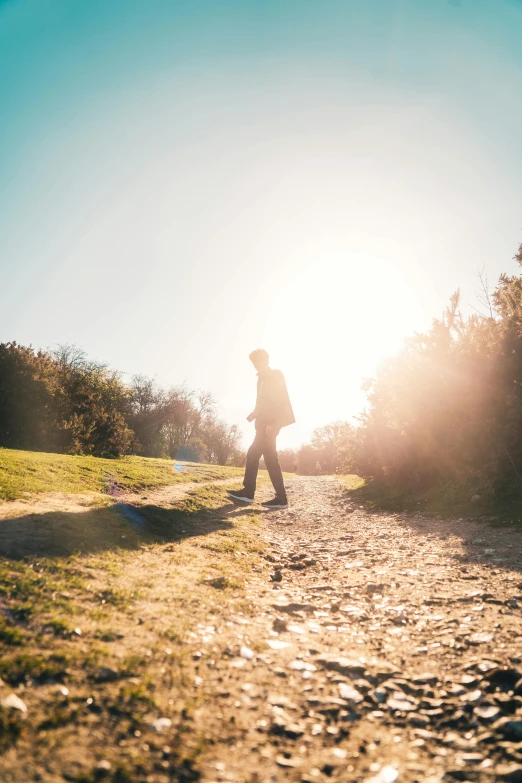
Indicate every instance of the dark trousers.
{"type": "Point", "coordinates": [264, 446]}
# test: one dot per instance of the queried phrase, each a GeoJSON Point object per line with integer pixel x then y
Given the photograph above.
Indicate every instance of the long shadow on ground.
{"type": "Point", "coordinates": [481, 542]}
{"type": "Point", "coordinates": [121, 526]}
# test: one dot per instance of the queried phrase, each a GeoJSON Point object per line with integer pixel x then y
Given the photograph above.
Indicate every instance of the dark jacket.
{"type": "Point", "coordinates": [273, 403]}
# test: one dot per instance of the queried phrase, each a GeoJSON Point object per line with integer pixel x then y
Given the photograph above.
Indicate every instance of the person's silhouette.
{"type": "Point", "coordinates": [273, 410]}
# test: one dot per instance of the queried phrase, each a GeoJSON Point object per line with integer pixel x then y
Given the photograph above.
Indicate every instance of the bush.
{"type": "Point", "coordinates": [447, 410]}
{"type": "Point", "coordinates": [64, 402]}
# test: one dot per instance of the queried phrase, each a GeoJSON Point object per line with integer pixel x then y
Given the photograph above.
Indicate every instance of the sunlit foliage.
{"type": "Point", "coordinates": [447, 410]}
{"type": "Point", "coordinates": [61, 401]}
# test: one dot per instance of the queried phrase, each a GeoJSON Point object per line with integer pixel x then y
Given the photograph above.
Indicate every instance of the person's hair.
{"type": "Point", "coordinates": [259, 353]}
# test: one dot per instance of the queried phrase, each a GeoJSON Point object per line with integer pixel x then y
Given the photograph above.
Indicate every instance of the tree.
{"type": "Point", "coordinates": [93, 405]}
{"type": "Point", "coordinates": [223, 441]}
{"type": "Point", "coordinates": [63, 401]}
{"type": "Point", "coordinates": [28, 415]}
{"type": "Point", "coordinates": [329, 443]}
{"type": "Point", "coordinates": [148, 416]}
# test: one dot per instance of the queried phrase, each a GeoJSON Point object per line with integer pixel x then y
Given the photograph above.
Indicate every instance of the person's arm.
{"type": "Point", "coordinates": [251, 416]}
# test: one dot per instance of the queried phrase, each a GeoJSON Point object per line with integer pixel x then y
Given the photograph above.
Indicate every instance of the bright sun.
{"type": "Point", "coordinates": [330, 327]}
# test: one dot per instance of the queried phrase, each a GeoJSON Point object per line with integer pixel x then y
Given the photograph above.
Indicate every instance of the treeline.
{"type": "Point", "coordinates": [324, 454]}
{"type": "Point", "coordinates": [63, 402]}
{"type": "Point", "coordinates": [446, 412]}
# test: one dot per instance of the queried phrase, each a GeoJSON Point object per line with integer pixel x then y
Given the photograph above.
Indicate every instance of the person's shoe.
{"type": "Point", "coordinates": [239, 496]}
{"type": "Point", "coordinates": [276, 503]}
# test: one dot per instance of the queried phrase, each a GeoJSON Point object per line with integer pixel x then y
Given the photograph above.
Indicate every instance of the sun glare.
{"type": "Point", "coordinates": [332, 325]}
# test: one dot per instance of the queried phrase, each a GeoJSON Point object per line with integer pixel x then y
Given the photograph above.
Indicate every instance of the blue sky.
{"type": "Point", "coordinates": [181, 182]}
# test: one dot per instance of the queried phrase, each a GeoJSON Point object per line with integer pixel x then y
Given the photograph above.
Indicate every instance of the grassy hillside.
{"type": "Point", "coordinates": [101, 613]}
{"type": "Point", "coordinates": [27, 472]}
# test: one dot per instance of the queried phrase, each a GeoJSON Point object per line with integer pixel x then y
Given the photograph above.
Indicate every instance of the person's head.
{"type": "Point", "coordinates": [259, 359]}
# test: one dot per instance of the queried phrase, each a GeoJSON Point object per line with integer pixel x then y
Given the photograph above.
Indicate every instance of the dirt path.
{"type": "Point", "coordinates": [77, 503]}
{"type": "Point", "coordinates": [355, 646]}
{"type": "Point", "coordinates": [390, 649]}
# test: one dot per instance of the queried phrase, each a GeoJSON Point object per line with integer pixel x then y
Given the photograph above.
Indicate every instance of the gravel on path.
{"type": "Point", "coordinates": [379, 647]}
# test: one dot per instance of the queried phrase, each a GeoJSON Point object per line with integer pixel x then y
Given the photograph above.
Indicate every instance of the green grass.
{"type": "Point", "coordinates": [29, 472]}
{"type": "Point", "coordinates": [34, 666]}
{"type": "Point", "coordinates": [452, 499]}
{"type": "Point", "coordinates": [10, 635]}
{"type": "Point", "coordinates": [351, 481]}
{"type": "Point", "coordinates": [136, 599]}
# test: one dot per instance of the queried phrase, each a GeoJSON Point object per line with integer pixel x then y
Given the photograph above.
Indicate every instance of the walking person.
{"type": "Point", "coordinates": [273, 410]}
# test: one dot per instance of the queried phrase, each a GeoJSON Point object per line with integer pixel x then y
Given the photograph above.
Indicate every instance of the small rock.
{"type": "Point", "coordinates": [469, 679]}
{"type": "Point", "coordinates": [103, 766]}
{"type": "Point", "coordinates": [487, 712]}
{"type": "Point", "coordinates": [302, 666]}
{"type": "Point", "coordinates": [474, 697]}
{"type": "Point", "coordinates": [385, 775]}
{"type": "Point", "coordinates": [246, 653]}
{"type": "Point", "coordinates": [161, 724]}
{"type": "Point", "coordinates": [13, 702]}
{"type": "Point", "coordinates": [277, 644]}
{"type": "Point", "coordinates": [470, 758]}
{"type": "Point", "coordinates": [485, 666]}
{"type": "Point", "coordinates": [281, 761]}
{"type": "Point", "coordinates": [349, 693]}
{"type": "Point", "coordinates": [425, 734]}
{"type": "Point", "coordinates": [277, 576]}
{"type": "Point", "coordinates": [456, 690]}
{"type": "Point", "coordinates": [480, 638]}
{"type": "Point", "coordinates": [399, 701]}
